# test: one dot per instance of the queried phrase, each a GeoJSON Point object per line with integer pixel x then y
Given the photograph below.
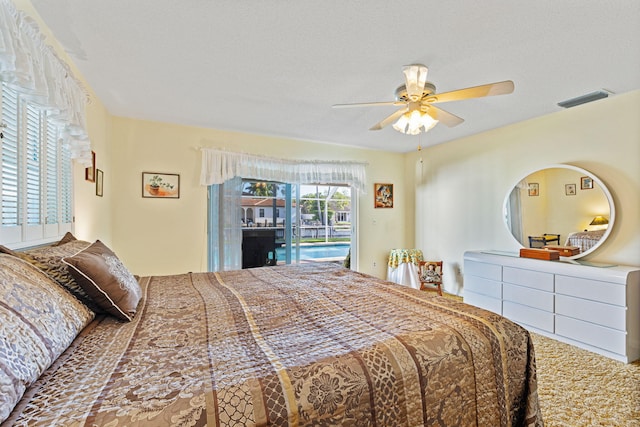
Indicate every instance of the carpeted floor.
{"type": "Point", "coordinates": [580, 388]}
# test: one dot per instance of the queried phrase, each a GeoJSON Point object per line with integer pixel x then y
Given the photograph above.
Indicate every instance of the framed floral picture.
{"type": "Point", "coordinates": [383, 195]}
{"type": "Point", "coordinates": [570, 189]}
{"type": "Point", "coordinates": [160, 185]}
{"type": "Point", "coordinates": [586, 183]}
{"type": "Point", "coordinates": [534, 189]}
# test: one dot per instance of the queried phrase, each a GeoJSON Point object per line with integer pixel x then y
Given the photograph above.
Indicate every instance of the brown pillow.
{"type": "Point", "coordinates": [49, 260]}
{"type": "Point", "coordinates": [107, 281]}
{"type": "Point", "coordinates": [68, 237]}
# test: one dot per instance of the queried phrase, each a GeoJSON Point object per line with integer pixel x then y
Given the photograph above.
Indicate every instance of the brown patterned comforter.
{"type": "Point", "coordinates": [314, 344]}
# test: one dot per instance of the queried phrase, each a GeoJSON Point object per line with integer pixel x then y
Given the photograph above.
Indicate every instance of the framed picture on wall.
{"type": "Point", "coordinates": [534, 189]}
{"type": "Point", "coordinates": [586, 183]}
{"type": "Point", "coordinates": [160, 185]}
{"type": "Point", "coordinates": [90, 172]}
{"type": "Point", "coordinates": [99, 182]}
{"type": "Point", "coordinates": [383, 195]}
{"type": "Point", "coordinates": [570, 189]}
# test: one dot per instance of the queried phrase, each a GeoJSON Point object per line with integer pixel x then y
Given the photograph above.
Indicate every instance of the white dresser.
{"type": "Point", "coordinates": [595, 307]}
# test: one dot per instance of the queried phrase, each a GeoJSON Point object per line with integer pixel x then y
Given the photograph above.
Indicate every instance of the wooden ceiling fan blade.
{"type": "Point", "coordinates": [389, 119]}
{"type": "Point", "coordinates": [446, 118]}
{"type": "Point", "coordinates": [491, 89]}
{"type": "Point", "coordinates": [369, 104]}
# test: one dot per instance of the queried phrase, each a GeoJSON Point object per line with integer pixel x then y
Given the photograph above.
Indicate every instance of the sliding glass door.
{"type": "Point", "coordinates": [282, 223]}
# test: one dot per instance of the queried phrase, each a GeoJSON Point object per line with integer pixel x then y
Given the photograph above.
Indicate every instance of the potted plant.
{"type": "Point", "coordinates": [155, 183]}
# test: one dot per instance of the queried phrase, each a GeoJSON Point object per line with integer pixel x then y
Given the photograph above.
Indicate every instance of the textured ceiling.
{"type": "Point", "coordinates": [275, 67]}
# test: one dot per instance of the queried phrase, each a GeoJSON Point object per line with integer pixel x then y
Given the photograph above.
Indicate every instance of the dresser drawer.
{"type": "Point", "coordinates": [591, 289]}
{"type": "Point", "coordinates": [529, 278]}
{"type": "Point", "coordinates": [528, 296]}
{"type": "Point", "coordinates": [483, 286]}
{"type": "Point", "coordinates": [612, 316]}
{"type": "Point", "coordinates": [589, 333]}
{"type": "Point", "coordinates": [481, 269]}
{"type": "Point", "coordinates": [483, 301]}
{"type": "Point", "coordinates": [529, 316]}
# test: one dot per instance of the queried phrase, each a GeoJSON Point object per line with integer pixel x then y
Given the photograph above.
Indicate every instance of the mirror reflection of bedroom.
{"type": "Point", "coordinates": [565, 208]}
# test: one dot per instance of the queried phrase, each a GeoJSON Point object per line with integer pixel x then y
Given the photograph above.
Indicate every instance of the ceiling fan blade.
{"type": "Point", "coordinates": [369, 104]}
{"type": "Point", "coordinates": [415, 76]}
{"type": "Point", "coordinates": [389, 119]}
{"type": "Point", "coordinates": [446, 118]}
{"type": "Point", "coordinates": [491, 89]}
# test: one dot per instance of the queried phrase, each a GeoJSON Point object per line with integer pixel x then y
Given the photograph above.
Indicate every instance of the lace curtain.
{"type": "Point", "coordinates": [32, 68]}
{"type": "Point", "coordinates": [225, 225]}
{"type": "Point", "coordinates": [218, 166]}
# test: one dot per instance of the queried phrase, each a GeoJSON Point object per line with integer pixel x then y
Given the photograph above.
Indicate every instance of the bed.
{"type": "Point", "coordinates": [584, 240]}
{"type": "Point", "coordinates": [312, 344]}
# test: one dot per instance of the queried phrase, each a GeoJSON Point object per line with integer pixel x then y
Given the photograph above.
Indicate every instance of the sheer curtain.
{"type": "Point", "coordinates": [219, 166]}
{"type": "Point", "coordinates": [225, 225]}
{"type": "Point", "coordinates": [32, 68]}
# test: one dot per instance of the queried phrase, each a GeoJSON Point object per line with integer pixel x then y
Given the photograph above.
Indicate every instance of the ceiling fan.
{"type": "Point", "coordinates": [417, 96]}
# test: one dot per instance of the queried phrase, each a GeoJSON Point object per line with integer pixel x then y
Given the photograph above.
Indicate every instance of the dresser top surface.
{"type": "Point", "coordinates": [589, 270]}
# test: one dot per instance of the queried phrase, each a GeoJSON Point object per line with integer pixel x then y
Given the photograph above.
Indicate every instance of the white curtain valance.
{"type": "Point", "coordinates": [219, 166]}
{"type": "Point", "coordinates": [32, 68]}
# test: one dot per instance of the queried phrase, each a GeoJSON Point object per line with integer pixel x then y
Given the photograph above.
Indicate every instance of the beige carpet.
{"type": "Point", "coordinates": [580, 388]}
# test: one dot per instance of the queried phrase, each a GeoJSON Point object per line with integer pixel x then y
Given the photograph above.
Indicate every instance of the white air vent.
{"type": "Point", "coordinates": [593, 96]}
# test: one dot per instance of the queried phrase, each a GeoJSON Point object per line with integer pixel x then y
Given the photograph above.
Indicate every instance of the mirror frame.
{"type": "Point", "coordinates": [612, 209]}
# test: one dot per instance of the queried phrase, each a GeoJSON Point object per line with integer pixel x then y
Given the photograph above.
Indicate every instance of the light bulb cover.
{"type": "Point", "coordinates": [414, 122]}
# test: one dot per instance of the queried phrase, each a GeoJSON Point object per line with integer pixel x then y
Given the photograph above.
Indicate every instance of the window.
{"type": "Point", "coordinates": [36, 171]}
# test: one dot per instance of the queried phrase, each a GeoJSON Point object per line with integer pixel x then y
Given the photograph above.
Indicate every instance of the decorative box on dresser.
{"type": "Point", "coordinates": [595, 307]}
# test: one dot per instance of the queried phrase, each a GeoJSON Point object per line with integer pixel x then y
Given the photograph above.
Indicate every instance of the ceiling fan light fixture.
{"type": "Point", "coordinates": [416, 98]}
{"type": "Point", "coordinates": [414, 122]}
{"type": "Point", "coordinates": [428, 122]}
{"type": "Point", "coordinates": [401, 124]}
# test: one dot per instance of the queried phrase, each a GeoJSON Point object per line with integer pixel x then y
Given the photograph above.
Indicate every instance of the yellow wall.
{"type": "Point", "coordinates": [448, 198]}
{"type": "Point", "coordinates": [166, 236]}
{"type": "Point", "coordinates": [461, 185]}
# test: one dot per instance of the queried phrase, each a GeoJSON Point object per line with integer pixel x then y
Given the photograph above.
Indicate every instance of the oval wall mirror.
{"type": "Point", "coordinates": [560, 205]}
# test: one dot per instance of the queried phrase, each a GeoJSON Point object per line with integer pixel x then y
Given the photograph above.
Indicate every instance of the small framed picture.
{"type": "Point", "coordinates": [383, 195]}
{"type": "Point", "coordinates": [534, 189]}
{"type": "Point", "coordinates": [586, 183]}
{"type": "Point", "coordinates": [570, 189]}
{"type": "Point", "coordinates": [99, 182]}
{"type": "Point", "coordinates": [160, 185]}
{"type": "Point", "coordinates": [90, 172]}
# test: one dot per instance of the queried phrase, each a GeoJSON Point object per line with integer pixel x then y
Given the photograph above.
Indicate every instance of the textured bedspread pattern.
{"type": "Point", "coordinates": [585, 240]}
{"type": "Point", "coordinates": [307, 345]}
